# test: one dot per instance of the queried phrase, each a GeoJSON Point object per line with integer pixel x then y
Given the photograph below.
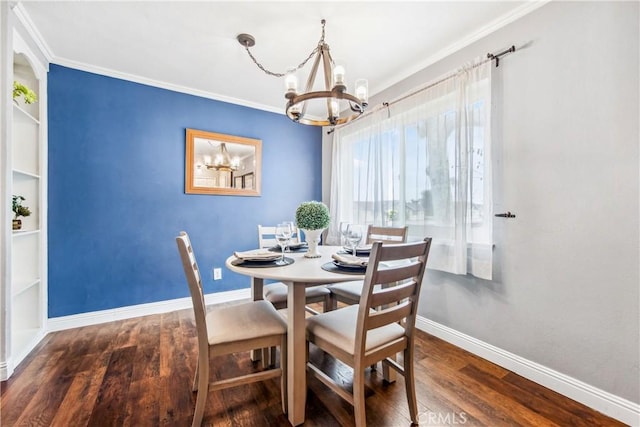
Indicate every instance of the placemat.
{"type": "Point", "coordinates": [330, 266]}
{"type": "Point", "coordinates": [290, 250]}
{"type": "Point", "coordinates": [263, 264]}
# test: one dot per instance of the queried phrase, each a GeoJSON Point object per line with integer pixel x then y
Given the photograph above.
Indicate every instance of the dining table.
{"type": "Point", "coordinates": [299, 273]}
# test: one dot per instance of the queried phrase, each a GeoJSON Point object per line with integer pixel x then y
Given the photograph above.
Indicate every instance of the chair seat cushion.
{"type": "Point", "coordinates": [339, 328]}
{"type": "Point", "coordinates": [245, 321]}
{"type": "Point", "coordinates": [349, 290]}
{"type": "Point", "coordinates": [277, 292]}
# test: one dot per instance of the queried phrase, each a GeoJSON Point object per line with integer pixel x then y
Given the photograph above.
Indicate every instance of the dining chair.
{"type": "Point", "coordinates": [276, 293]}
{"type": "Point", "coordinates": [349, 292]}
{"type": "Point", "coordinates": [228, 330]}
{"type": "Point", "coordinates": [360, 336]}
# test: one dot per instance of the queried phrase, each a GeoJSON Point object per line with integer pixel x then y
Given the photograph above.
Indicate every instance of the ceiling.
{"type": "Point", "coordinates": [191, 46]}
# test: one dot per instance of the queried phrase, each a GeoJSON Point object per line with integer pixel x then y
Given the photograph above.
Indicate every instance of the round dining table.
{"type": "Point", "coordinates": [301, 273]}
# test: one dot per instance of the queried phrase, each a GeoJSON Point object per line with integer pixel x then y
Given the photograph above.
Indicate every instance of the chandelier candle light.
{"type": "Point", "coordinates": [335, 89]}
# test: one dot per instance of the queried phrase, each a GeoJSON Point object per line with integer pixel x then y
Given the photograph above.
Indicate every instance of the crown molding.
{"type": "Point", "coordinates": [163, 85]}
{"type": "Point", "coordinates": [51, 57]}
{"type": "Point", "coordinates": [498, 23]}
{"type": "Point", "coordinates": [493, 26]}
{"type": "Point", "coordinates": [28, 24]}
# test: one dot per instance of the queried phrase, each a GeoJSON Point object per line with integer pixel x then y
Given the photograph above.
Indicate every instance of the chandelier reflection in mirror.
{"type": "Point", "coordinates": [222, 160]}
{"type": "Point", "coordinates": [338, 105]}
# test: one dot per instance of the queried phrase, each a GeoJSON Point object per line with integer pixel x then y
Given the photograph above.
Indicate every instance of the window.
{"type": "Point", "coordinates": [425, 163]}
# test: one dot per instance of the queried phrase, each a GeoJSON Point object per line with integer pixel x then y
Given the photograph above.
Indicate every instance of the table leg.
{"type": "Point", "coordinates": [296, 352]}
{"type": "Point", "coordinates": [256, 295]}
{"type": "Point", "coordinates": [256, 288]}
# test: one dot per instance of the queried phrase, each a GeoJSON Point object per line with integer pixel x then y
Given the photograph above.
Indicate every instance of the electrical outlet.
{"type": "Point", "coordinates": [217, 273]}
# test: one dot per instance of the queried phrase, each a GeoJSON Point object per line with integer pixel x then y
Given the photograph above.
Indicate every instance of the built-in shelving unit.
{"type": "Point", "coordinates": [24, 251]}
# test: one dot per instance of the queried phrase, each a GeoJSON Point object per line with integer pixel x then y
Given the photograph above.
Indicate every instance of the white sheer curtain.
{"type": "Point", "coordinates": [424, 162]}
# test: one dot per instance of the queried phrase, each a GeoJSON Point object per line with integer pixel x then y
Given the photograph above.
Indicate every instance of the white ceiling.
{"type": "Point", "coordinates": [192, 47]}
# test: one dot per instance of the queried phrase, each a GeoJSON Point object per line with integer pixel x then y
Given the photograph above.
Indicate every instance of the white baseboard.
{"type": "Point", "coordinates": [5, 373]}
{"type": "Point", "coordinates": [611, 405]}
{"type": "Point", "coordinates": [616, 407]}
{"type": "Point", "coordinates": [104, 316]}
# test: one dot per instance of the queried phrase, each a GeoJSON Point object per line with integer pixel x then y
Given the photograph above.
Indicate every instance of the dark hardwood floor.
{"type": "Point", "coordinates": [138, 372]}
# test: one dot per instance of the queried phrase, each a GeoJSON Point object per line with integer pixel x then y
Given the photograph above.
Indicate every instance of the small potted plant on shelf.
{"type": "Point", "coordinates": [312, 218]}
{"type": "Point", "coordinates": [18, 211]}
{"type": "Point", "coordinates": [27, 94]}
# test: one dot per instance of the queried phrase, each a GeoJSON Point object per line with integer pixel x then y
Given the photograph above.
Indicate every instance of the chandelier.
{"type": "Point", "coordinates": [222, 161]}
{"type": "Point", "coordinates": [340, 105]}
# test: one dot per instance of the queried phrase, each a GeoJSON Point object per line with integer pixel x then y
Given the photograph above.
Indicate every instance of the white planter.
{"type": "Point", "coordinates": [312, 237]}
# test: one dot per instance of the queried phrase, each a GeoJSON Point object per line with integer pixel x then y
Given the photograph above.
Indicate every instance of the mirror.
{"type": "Point", "coordinates": [222, 164]}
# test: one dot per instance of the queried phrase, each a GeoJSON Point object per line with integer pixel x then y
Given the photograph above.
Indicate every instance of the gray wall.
{"type": "Point", "coordinates": [566, 288]}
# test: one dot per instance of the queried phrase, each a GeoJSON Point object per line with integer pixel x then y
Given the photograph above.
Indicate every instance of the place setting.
{"type": "Point", "coordinates": [260, 258]}
{"type": "Point", "coordinates": [351, 259]}
{"type": "Point", "coordinates": [263, 258]}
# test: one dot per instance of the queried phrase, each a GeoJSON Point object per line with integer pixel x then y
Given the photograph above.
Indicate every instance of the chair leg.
{"type": "Point", "coordinates": [266, 357]}
{"type": "Point", "coordinates": [283, 378]}
{"type": "Point", "coordinates": [409, 382]}
{"type": "Point", "coordinates": [359, 409]}
{"type": "Point", "coordinates": [203, 389]}
{"type": "Point", "coordinates": [333, 302]}
{"type": "Point", "coordinates": [328, 304]}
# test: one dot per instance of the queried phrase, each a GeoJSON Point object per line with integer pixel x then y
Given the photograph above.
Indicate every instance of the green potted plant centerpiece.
{"type": "Point", "coordinates": [18, 211]}
{"type": "Point", "coordinates": [312, 218]}
{"type": "Point", "coordinates": [28, 95]}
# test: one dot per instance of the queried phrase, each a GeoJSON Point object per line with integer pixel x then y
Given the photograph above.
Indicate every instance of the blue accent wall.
{"type": "Point", "coordinates": [116, 190]}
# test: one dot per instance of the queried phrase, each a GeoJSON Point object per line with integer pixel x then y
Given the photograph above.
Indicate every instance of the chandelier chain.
{"type": "Point", "coordinates": [302, 64]}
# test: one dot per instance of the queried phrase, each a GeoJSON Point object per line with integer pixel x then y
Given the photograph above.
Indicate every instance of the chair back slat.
{"type": "Point", "coordinates": [267, 236]}
{"type": "Point", "coordinates": [386, 234]}
{"type": "Point", "coordinates": [398, 302]}
{"type": "Point", "coordinates": [393, 294]}
{"type": "Point", "coordinates": [391, 314]}
{"type": "Point", "coordinates": [397, 274]}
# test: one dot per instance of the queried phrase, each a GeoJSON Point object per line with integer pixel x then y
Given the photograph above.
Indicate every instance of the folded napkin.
{"type": "Point", "coordinates": [256, 255]}
{"type": "Point", "coordinates": [361, 249]}
{"type": "Point", "coordinates": [350, 260]}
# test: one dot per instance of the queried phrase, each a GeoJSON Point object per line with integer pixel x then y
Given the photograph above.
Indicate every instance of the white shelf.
{"type": "Point", "coordinates": [23, 114]}
{"type": "Point", "coordinates": [24, 233]}
{"type": "Point", "coordinates": [23, 313]}
{"type": "Point", "coordinates": [20, 286]}
{"type": "Point", "coordinates": [26, 174]}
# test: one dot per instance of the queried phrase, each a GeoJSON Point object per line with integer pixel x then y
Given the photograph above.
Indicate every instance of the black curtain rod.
{"type": "Point", "coordinates": [498, 55]}
{"type": "Point", "coordinates": [490, 57]}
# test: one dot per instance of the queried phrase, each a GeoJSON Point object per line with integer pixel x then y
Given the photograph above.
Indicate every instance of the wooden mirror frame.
{"type": "Point", "coordinates": [250, 174]}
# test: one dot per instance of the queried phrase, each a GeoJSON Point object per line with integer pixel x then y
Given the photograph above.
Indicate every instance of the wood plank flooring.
{"type": "Point", "coordinates": [138, 372]}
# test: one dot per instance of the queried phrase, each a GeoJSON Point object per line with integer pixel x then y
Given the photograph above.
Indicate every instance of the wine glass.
{"type": "Point", "coordinates": [283, 235]}
{"type": "Point", "coordinates": [354, 236]}
{"type": "Point", "coordinates": [344, 230]}
{"type": "Point", "coordinates": [292, 227]}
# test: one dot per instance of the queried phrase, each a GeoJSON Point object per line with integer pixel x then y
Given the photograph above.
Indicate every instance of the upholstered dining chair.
{"type": "Point", "coordinates": [230, 329]}
{"type": "Point", "coordinates": [276, 293]}
{"type": "Point", "coordinates": [349, 292]}
{"type": "Point", "coordinates": [359, 336]}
